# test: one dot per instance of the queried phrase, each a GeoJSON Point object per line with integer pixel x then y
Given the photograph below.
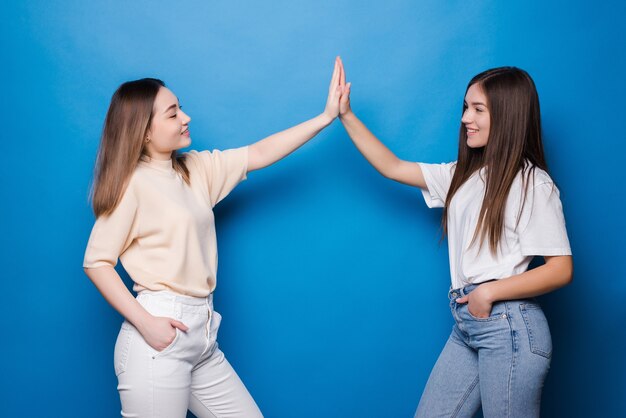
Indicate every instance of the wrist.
{"type": "Point", "coordinates": [326, 119]}
{"type": "Point", "coordinates": [348, 116]}
{"type": "Point", "coordinates": [142, 321]}
{"type": "Point", "coordinates": [488, 291]}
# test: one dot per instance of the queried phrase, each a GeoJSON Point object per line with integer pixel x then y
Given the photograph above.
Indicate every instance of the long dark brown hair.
{"type": "Point", "coordinates": [514, 145]}
{"type": "Point", "coordinates": [123, 145]}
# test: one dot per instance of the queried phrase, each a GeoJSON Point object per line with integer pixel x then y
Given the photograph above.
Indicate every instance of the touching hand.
{"type": "Point", "coordinates": [478, 303]}
{"type": "Point", "coordinates": [160, 332]}
{"type": "Point", "coordinates": [334, 92]}
{"type": "Point", "coordinates": [344, 100]}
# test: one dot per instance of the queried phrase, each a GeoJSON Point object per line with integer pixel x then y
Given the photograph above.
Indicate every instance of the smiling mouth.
{"type": "Point", "coordinates": [186, 131]}
{"type": "Point", "coordinates": [471, 131]}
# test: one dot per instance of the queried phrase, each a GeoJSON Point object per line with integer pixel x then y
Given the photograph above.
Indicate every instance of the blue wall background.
{"type": "Point", "coordinates": [332, 283]}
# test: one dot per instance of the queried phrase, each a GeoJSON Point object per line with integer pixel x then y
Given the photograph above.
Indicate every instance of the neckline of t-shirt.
{"type": "Point", "coordinates": [161, 165]}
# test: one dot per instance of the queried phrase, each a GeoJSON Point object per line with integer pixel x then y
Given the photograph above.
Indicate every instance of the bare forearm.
{"type": "Point", "coordinates": [277, 146]}
{"type": "Point", "coordinates": [556, 273]}
{"type": "Point", "coordinates": [381, 157]}
{"type": "Point", "coordinates": [366, 142]}
{"type": "Point", "coordinates": [110, 284]}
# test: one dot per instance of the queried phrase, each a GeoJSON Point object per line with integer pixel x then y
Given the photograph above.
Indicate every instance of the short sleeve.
{"type": "Point", "coordinates": [542, 224]}
{"type": "Point", "coordinates": [112, 234]}
{"type": "Point", "coordinates": [438, 178]}
{"type": "Point", "coordinates": [223, 170]}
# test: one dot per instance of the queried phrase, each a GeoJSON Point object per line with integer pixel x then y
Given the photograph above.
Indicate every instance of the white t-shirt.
{"type": "Point", "coordinates": [540, 231]}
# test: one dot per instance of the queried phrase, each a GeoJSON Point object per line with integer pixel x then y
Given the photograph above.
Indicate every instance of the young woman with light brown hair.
{"type": "Point", "coordinates": [154, 212]}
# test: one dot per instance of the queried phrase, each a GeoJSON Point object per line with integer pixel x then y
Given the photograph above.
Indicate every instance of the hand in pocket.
{"type": "Point", "coordinates": [478, 304]}
{"type": "Point", "coordinates": [159, 332]}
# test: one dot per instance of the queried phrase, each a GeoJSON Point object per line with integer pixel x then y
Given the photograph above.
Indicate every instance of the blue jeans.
{"type": "Point", "coordinates": [499, 362]}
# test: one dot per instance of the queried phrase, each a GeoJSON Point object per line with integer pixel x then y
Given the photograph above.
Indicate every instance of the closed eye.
{"type": "Point", "coordinates": [176, 114]}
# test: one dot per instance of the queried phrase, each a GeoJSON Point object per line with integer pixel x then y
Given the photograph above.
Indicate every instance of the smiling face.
{"type": "Point", "coordinates": [476, 117]}
{"type": "Point", "coordinates": [169, 129]}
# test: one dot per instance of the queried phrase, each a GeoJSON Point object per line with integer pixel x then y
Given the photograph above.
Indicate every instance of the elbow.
{"type": "Point", "coordinates": [388, 174]}
{"type": "Point", "coordinates": [92, 272]}
{"type": "Point", "coordinates": [567, 271]}
{"type": "Point", "coordinates": [569, 277]}
{"type": "Point", "coordinates": [560, 270]}
{"type": "Point", "coordinates": [391, 171]}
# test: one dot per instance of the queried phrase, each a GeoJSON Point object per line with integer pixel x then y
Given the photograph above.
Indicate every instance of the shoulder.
{"type": "Point", "coordinates": [200, 156]}
{"type": "Point", "coordinates": [448, 167]}
{"type": "Point", "coordinates": [217, 157]}
{"type": "Point", "coordinates": [131, 194]}
{"type": "Point", "coordinates": [199, 160]}
{"type": "Point", "coordinates": [193, 156]}
{"type": "Point", "coordinates": [541, 176]}
{"type": "Point", "coordinates": [139, 177]}
{"type": "Point", "coordinates": [536, 185]}
{"type": "Point", "coordinates": [533, 177]}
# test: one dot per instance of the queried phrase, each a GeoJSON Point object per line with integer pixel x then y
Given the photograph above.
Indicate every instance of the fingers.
{"type": "Point", "coordinates": [462, 299]}
{"type": "Point", "coordinates": [345, 92]}
{"type": "Point", "coordinates": [342, 77]}
{"type": "Point", "coordinates": [478, 315]}
{"type": "Point", "coordinates": [179, 325]}
{"type": "Point", "coordinates": [475, 315]}
{"type": "Point", "coordinates": [345, 88]}
{"type": "Point", "coordinates": [342, 80]}
{"type": "Point", "coordinates": [335, 78]}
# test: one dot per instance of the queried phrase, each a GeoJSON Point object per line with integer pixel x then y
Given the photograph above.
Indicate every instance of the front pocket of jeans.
{"type": "Point", "coordinates": [497, 312]}
{"type": "Point", "coordinates": [538, 331]}
{"type": "Point", "coordinates": [122, 348]}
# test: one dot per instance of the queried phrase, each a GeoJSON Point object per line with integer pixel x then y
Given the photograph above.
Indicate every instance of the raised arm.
{"type": "Point", "coordinates": [277, 146]}
{"type": "Point", "coordinates": [373, 150]}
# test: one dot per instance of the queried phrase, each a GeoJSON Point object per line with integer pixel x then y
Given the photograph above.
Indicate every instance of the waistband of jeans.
{"type": "Point", "coordinates": [463, 291]}
{"type": "Point", "coordinates": [170, 296]}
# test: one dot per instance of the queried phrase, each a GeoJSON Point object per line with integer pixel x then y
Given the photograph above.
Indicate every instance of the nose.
{"type": "Point", "coordinates": [466, 118]}
{"type": "Point", "coordinates": [186, 118]}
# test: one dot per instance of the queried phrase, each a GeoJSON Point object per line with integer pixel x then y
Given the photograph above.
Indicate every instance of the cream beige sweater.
{"type": "Point", "coordinates": [163, 230]}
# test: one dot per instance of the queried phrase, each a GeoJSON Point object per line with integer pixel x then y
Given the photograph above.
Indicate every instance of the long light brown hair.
{"type": "Point", "coordinates": [123, 145]}
{"type": "Point", "coordinates": [514, 145]}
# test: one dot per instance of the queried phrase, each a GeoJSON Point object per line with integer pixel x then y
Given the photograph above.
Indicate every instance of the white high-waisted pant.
{"type": "Point", "coordinates": [191, 373]}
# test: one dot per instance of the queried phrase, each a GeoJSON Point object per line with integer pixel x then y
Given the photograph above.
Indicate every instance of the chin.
{"type": "Point", "coordinates": [475, 144]}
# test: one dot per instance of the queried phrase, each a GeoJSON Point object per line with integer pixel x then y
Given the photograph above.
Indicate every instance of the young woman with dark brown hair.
{"type": "Point", "coordinates": [154, 212]}
{"type": "Point", "coordinates": [500, 209]}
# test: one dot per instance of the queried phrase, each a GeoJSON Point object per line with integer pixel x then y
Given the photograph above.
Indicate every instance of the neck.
{"type": "Point", "coordinates": [159, 156]}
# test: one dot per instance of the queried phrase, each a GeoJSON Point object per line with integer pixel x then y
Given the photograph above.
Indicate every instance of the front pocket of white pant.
{"type": "Point", "coordinates": [169, 347]}
{"type": "Point", "coordinates": [538, 330]}
{"type": "Point", "coordinates": [122, 348]}
{"type": "Point", "coordinates": [216, 320]}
